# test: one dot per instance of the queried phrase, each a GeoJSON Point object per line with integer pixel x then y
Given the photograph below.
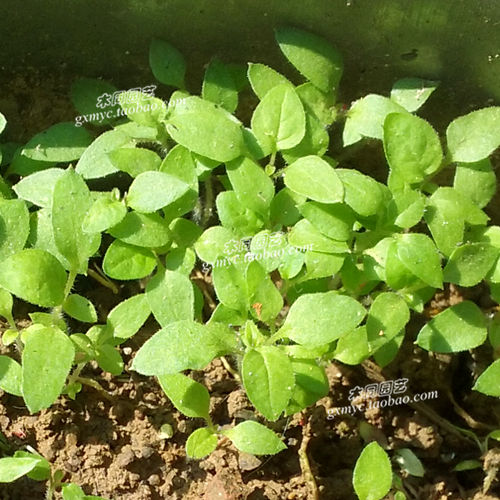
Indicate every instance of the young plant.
{"type": "Point", "coordinates": [33, 465]}
{"type": "Point", "coordinates": [312, 262]}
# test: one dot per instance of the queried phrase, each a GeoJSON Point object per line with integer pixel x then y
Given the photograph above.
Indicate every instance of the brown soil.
{"type": "Point", "coordinates": [111, 445]}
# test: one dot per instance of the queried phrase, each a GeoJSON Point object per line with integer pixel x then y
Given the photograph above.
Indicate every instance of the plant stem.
{"type": "Point", "coordinates": [103, 281]}
{"type": "Point", "coordinates": [69, 283]}
{"type": "Point", "coordinates": [229, 368]}
{"type": "Point", "coordinates": [209, 201]}
{"type": "Point", "coordinates": [95, 385]}
{"type": "Point", "coordinates": [76, 373]}
{"type": "Point", "coordinates": [305, 465]}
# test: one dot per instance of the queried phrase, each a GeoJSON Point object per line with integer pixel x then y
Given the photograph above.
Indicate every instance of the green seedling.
{"type": "Point", "coordinates": [33, 465]}
{"type": "Point", "coordinates": [312, 262]}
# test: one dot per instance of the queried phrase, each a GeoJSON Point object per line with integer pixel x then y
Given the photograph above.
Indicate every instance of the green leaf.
{"type": "Point", "coordinates": [230, 286]}
{"type": "Point", "coordinates": [411, 93]}
{"type": "Point", "coordinates": [88, 94]}
{"type": "Point", "coordinates": [352, 348]}
{"type": "Point", "coordinates": [206, 129]}
{"type": "Point", "coordinates": [317, 104]}
{"type": "Point", "coordinates": [170, 296]}
{"type": "Point", "coordinates": [127, 262]}
{"type": "Point", "coordinates": [109, 359]}
{"type": "Point", "coordinates": [6, 303]}
{"type": "Point", "coordinates": [142, 230]}
{"type": "Point", "coordinates": [42, 470]}
{"type": "Point", "coordinates": [409, 462]}
{"type": "Point", "coordinates": [411, 146]}
{"type": "Point", "coordinates": [234, 215]}
{"type": "Point", "coordinates": [167, 63]}
{"type": "Point", "coordinates": [388, 315]}
{"type": "Point", "coordinates": [71, 201]}
{"type": "Point", "coordinates": [38, 187]}
{"type": "Point", "coordinates": [385, 354]}
{"type": "Point", "coordinates": [252, 186]}
{"type": "Point", "coordinates": [313, 56]}
{"type": "Point", "coordinates": [469, 263]}
{"type": "Point", "coordinates": [284, 211]}
{"type": "Point", "coordinates": [14, 227]}
{"type": "Point", "coordinates": [446, 213]}
{"type": "Point", "coordinates": [362, 193]}
{"type": "Point", "coordinates": [12, 468]}
{"type": "Point", "coordinates": [311, 384]}
{"type": "Point", "coordinates": [3, 122]}
{"type": "Point", "coordinates": [254, 438]}
{"type": "Point", "coordinates": [23, 166]}
{"type": "Point", "coordinates": [318, 318]}
{"type": "Point", "coordinates": [468, 465]}
{"type": "Point", "coordinates": [46, 362]}
{"type": "Point", "coordinates": [183, 345]}
{"type": "Point", "coordinates": [94, 162]}
{"type": "Point", "coordinates": [419, 254]}
{"type": "Point", "coordinates": [104, 213]}
{"type": "Point", "coordinates": [35, 276]}
{"type": "Point", "coordinates": [406, 209]}
{"type": "Point", "coordinates": [366, 118]}
{"type": "Point", "coordinates": [372, 476]}
{"type": "Point", "coordinates": [10, 376]}
{"type": "Point", "coordinates": [60, 143]}
{"type": "Point", "coordinates": [262, 78]}
{"type": "Point", "coordinates": [320, 265]}
{"type": "Point", "coordinates": [261, 290]}
{"type": "Point", "coordinates": [128, 316]}
{"type": "Point", "coordinates": [268, 380]}
{"type": "Point", "coordinates": [42, 235]}
{"type": "Point", "coordinates": [72, 491]}
{"type": "Point", "coordinates": [457, 328]}
{"type": "Point", "coordinates": [143, 109]}
{"type": "Point", "coordinates": [201, 443]}
{"type": "Point", "coordinates": [279, 120]}
{"type": "Point", "coordinates": [487, 383]}
{"type": "Point", "coordinates": [333, 220]}
{"type": "Point", "coordinates": [223, 314]}
{"type": "Point", "coordinates": [477, 181]}
{"type": "Point", "coordinates": [212, 243]}
{"type": "Point", "coordinates": [475, 136]}
{"type": "Point", "coordinates": [134, 161]}
{"type": "Point", "coordinates": [314, 142]}
{"type": "Point", "coordinates": [313, 177]}
{"type": "Point", "coordinates": [80, 308]}
{"type": "Point", "coordinates": [185, 232]}
{"type": "Point", "coordinates": [189, 397]}
{"type": "Point", "coordinates": [304, 235]}
{"type": "Point", "coordinates": [219, 86]}
{"type": "Point", "coordinates": [151, 191]}
{"type": "Point", "coordinates": [180, 163]}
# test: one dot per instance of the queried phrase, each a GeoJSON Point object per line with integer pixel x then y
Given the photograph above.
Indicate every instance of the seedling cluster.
{"type": "Point", "coordinates": [197, 178]}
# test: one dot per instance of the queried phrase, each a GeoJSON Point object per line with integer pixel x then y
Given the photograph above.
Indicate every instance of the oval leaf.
{"type": "Point", "coordinates": [319, 318]}
{"type": "Point", "coordinates": [254, 438]}
{"type": "Point", "coordinates": [35, 276]}
{"type": "Point", "coordinates": [188, 396]}
{"type": "Point", "coordinates": [372, 476]}
{"type": "Point", "coordinates": [183, 345]}
{"type": "Point", "coordinates": [268, 380]}
{"type": "Point", "coordinates": [458, 328]}
{"type": "Point", "coordinates": [46, 362]}
{"type": "Point", "coordinates": [474, 136]}
{"type": "Point", "coordinates": [201, 443]}
{"type": "Point", "coordinates": [313, 177]}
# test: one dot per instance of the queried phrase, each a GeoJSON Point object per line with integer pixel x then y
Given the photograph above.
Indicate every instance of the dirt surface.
{"type": "Point", "coordinates": [110, 443]}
